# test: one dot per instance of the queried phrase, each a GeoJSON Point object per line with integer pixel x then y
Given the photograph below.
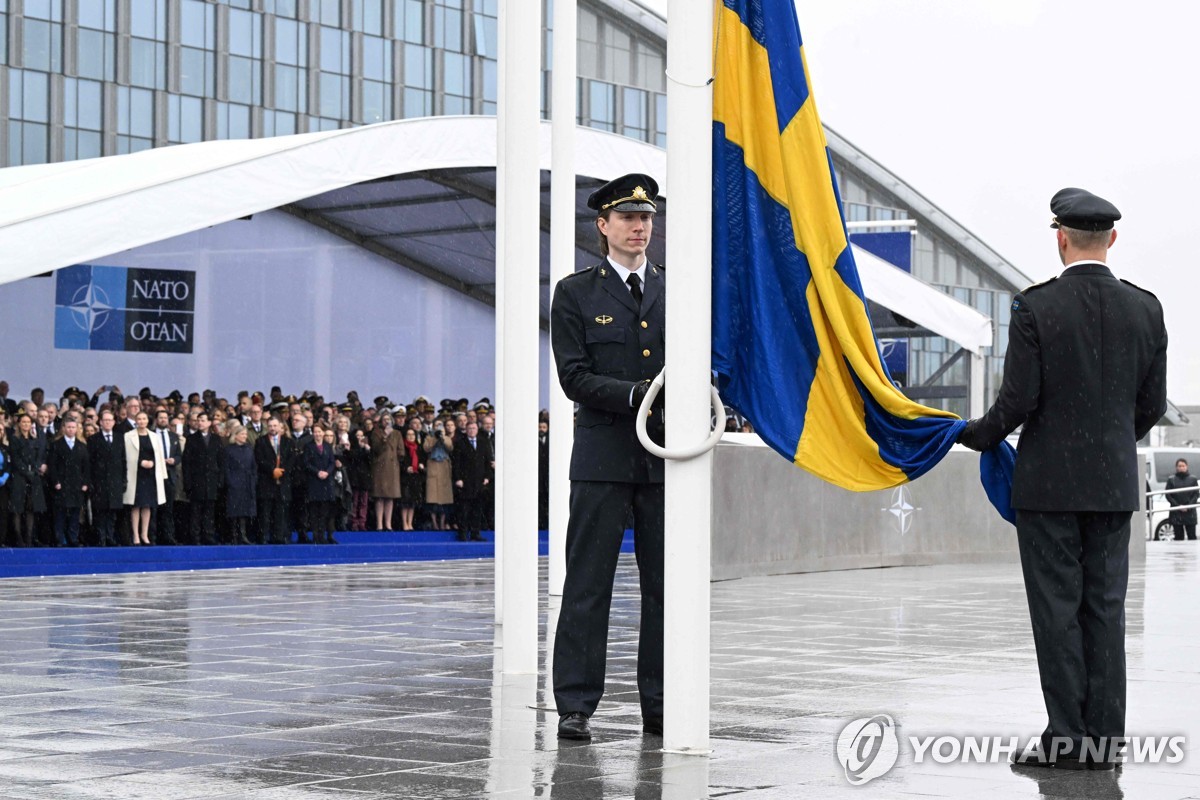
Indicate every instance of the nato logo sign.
{"type": "Point", "coordinates": [124, 308]}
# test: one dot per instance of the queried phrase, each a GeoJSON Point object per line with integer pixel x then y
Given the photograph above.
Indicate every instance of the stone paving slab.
{"type": "Point", "coordinates": [380, 681]}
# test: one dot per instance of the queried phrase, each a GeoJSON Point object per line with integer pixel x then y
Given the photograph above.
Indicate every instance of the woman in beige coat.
{"type": "Point", "coordinates": [145, 477]}
{"type": "Point", "coordinates": [386, 443]}
{"type": "Point", "coordinates": [439, 490]}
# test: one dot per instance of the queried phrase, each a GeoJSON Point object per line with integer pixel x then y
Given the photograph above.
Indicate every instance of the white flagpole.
{"type": "Point", "coordinates": [688, 356]}
{"type": "Point", "coordinates": [562, 263]}
{"type": "Point", "coordinates": [518, 198]}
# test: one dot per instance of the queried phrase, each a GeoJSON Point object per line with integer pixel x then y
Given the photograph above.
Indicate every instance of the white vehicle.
{"type": "Point", "coordinates": [1160, 465]}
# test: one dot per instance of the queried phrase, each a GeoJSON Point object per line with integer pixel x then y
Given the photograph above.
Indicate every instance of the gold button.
{"type": "Point", "coordinates": [650, 413]}
{"type": "Point", "coordinates": [645, 325]}
{"type": "Point", "coordinates": [645, 353]}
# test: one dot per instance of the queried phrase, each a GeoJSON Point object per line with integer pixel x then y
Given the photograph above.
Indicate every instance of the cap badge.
{"type": "Point", "coordinates": [639, 193]}
{"type": "Point", "coordinates": [604, 319]}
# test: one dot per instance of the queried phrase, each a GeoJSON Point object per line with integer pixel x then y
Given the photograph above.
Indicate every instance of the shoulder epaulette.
{"type": "Point", "coordinates": [1039, 285]}
{"type": "Point", "coordinates": [583, 271]}
{"type": "Point", "coordinates": [1139, 288]}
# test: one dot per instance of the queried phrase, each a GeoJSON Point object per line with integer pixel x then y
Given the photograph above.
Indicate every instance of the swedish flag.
{"type": "Point", "coordinates": [793, 346]}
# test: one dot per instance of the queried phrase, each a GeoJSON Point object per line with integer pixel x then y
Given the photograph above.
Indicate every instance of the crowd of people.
{"type": "Point", "coordinates": [106, 469]}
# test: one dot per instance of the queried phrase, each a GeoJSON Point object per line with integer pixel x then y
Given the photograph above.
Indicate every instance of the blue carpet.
{"type": "Point", "coordinates": [353, 548]}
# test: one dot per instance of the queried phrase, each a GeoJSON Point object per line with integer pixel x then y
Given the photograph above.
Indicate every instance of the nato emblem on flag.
{"type": "Point", "coordinates": [793, 347]}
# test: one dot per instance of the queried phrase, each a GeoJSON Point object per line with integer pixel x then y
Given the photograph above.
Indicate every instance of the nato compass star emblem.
{"type": "Point", "coordinates": [902, 509]}
{"type": "Point", "coordinates": [90, 308]}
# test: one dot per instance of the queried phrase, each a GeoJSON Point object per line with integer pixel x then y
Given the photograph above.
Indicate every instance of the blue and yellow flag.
{"type": "Point", "coordinates": [793, 346]}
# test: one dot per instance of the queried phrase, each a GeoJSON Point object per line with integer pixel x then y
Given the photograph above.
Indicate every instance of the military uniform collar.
{"type": "Point", "coordinates": [1087, 268]}
{"type": "Point", "coordinates": [624, 272]}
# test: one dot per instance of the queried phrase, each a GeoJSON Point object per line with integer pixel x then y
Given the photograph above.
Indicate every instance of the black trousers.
{"type": "Point", "coordinates": [164, 519]}
{"type": "Point", "coordinates": [104, 520]}
{"type": "Point", "coordinates": [470, 516]}
{"type": "Point", "coordinates": [598, 514]}
{"type": "Point", "coordinates": [272, 520]}
{"type": "Point", "coordinates": [66, 525]}
{"type": "Point", "coordinates": [1184, 531]}
{"type": "Point", "coordinates": [204, 523]}
{"type": "Point", "coordinates": [1076, 568]}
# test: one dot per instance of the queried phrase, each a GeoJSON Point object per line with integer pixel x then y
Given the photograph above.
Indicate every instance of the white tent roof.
{"type": "Point", "coordinates": [56, 215]}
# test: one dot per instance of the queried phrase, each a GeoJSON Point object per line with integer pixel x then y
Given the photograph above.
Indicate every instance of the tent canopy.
{"type": "Point", "coordinates": [420, 192]}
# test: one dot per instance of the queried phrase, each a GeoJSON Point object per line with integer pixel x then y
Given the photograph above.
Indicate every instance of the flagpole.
{"type": "Point", "coordinates": [518, 196]}
{"type": "Point", "coordinates": [688, 504]}
{"type": "Point", "coordinates": [562, 264]}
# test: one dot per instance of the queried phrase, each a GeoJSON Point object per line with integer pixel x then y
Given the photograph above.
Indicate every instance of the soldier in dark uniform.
{"type": "Point", "coordinates": [607, 332]}
{"type": "Point", "coordinates": [1085, 373]}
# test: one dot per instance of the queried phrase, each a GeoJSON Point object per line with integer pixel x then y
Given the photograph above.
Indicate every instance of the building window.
{"type": "Point", "coordinates": [29, 117]}
{"type": "Point", "coordinates": [3, 31]}
{"type": "Point", "coordinates": [95, 40]}
{"type": "Point", "coordinates": [491, 84]}
{"type": "Point", "coordinates": [333, 79]}
{"type": "Point", "coordinates": [280, 8]}
{"type": "Point", "coordinates": [327, 12]}
{"type": "Point", "coordinates": [377, 79]}
{"type": "Point", "coordinates": [448, 24]}
{"type": "Point", "coordinates": [291, 58]}
{"type": "Point", "coordinates": [418, 81]}
{"type": "Point", "coordinates": [456, 83]}
{"type": "Point", "coordinates": [660, 120]}
{"type": "Point", "coordinates": [278, 123]}
{"type": "Point", "coordinates": [147, 47]}
{"type": "Point", "coordinates": [649, 69]}
{"type": "Point", "coordinates": [368, 16]}
{"type": "Point", "coordinates": [245, 57]}
{"type": "Point", "coordinates": [486, 23]}
{"type": "Point", "coordinates": [82, 118]}
{"type": "Point", "coordinates": [185, 119]}
{"type": "Point", "coordinates": [601, 106]}
{"type": "Point", "coordinates": [135, 119]}
{"type": "Point", "coordinates": [233, 121]}
{"type": "Point", "coordinates": [635, 116]}
{"type": "Point", "coordinates": [42, 36]}
{"type": "Point", "coordinates": [409, 21]}
{"type": "Point", "coordinates": [197, 53]}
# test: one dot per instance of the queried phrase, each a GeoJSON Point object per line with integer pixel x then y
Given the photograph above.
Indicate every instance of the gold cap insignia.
{"type": "Point", "coordinates": [639, 193]}
{"type": "Point", "coordinates": [604, 319]}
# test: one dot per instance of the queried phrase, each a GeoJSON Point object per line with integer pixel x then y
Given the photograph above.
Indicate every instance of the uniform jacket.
{"type": "Point", "coordinates": [133, 449]}
{"type": "Point", "coordinates": [108, 471]}
{"type": "Point", "coordinates": [265, 458]}
{"type": "Point", "coordinates": [69, 468]}
{"type": "Point", "coordinates": [202, 467]}
{"type": "Point", "coordinates": [239, 474]}
{"type": "Point", "coordinates": [471, 465]}
{"type": "Point", "coordinates": [1085, 373]}
{"type": "Point", "coordinates": [603, 345]}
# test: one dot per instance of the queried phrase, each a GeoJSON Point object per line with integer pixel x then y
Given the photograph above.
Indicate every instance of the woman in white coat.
{"type": "Point", "coordinates": [145, 477]}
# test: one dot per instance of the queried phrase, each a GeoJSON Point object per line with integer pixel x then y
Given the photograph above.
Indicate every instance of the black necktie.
{"type": "Point", "coordinates": [635, 288]}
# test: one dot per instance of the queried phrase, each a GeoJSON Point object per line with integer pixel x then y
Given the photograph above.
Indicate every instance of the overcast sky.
{"type": "Point", "coordinates": [987, 107]}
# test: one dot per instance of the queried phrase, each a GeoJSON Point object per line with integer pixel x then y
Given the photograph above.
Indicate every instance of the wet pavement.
{"type": "Point", "coordinates": [380, 681]}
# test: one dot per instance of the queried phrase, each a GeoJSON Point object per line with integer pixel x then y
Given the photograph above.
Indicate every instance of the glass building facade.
{"type": "Point", "coordinates": [86, 78]}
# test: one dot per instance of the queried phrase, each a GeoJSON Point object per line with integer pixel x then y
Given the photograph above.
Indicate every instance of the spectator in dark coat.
{"type": "Point", "coordinates": [320, 465]}
{"type": "Point", "coordinates": [28, 495]}
{"type": "Point", "coordinates": [412, 478]}
{"type": "Point", "coordinates": [106, 452]}
{"type": "Point", "coordinates": [202, 479]}
{"type": "Point", "coordinates": [273, 457]}
{"type": "Point", "coordinates": [1184, 521]}
{"type": "Point", "coordinates": [69, 475]}
{"type": "Point", "coordinates": [239, 478]}
{"type": "Point", "coordinates": [358, 463]}
{"type": "Point", "coordinates": [473, 460]}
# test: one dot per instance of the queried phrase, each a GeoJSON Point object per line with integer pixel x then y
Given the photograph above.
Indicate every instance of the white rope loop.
{"type": "Point", "coordinates": [686, 453]}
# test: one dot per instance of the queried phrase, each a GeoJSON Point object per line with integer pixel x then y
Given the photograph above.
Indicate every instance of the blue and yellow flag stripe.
{"type": "Point", "coordinates": [792, 340]}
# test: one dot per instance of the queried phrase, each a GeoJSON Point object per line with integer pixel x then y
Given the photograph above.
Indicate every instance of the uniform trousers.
{"type": "Point", "coordinates": [599, 511]}
{"type": "Point", "coordinates": [1076, 569]}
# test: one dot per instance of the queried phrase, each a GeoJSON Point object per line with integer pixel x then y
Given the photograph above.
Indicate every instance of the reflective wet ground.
{"type": "Point", "coordinates": [379, 681]}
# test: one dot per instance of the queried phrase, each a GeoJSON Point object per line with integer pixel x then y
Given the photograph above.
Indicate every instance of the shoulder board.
{"type": "Point", "coordinates": [660, 266]}
{"type": "Point", "coordinates": [1139, 288]}
{"type": "Point", "coordinates": [583, 271]}
{"type": "Point", "coordinates": [1047, 282]}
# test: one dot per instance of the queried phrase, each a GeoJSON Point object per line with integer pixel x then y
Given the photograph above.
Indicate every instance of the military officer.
{"type": "Point", "coordinates": [607, 333]}
{"type": "Point", "coordinates": [1085, 373]}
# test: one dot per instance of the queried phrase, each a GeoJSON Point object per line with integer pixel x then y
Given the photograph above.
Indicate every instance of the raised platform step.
{"type": "Point", "coordinates": [353, 548]}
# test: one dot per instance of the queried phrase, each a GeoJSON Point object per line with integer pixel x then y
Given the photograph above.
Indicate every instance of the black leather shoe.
{"type": "Point", "coordinates": [652, 726]}
{"type": "Point", "coordinates": [574, 726]}
{"type": "Point", "coordinates": [1034, 757]}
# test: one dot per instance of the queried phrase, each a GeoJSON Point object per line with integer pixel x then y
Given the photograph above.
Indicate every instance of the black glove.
{"type": "Point", "coordinates": [639, 394]}
{"type": "Point", "coordinates": [969, 434]}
